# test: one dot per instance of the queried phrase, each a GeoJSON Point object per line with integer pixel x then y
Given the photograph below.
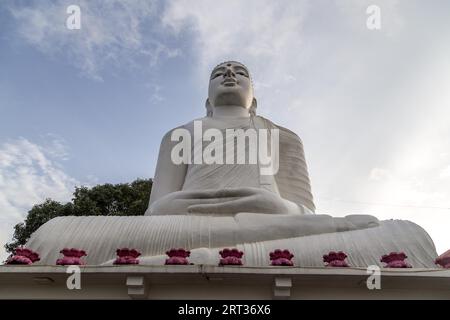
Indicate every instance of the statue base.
{"type": "Point", "coordinates": [213, 282]}
{"type": "Point", "coordinates": [205, 236]}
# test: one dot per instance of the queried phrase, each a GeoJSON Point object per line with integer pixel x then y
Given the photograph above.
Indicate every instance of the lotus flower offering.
{"type": "Point", "coordinates": [395, 260]}
{"type": "Point", "coordinates": [71, 257]}
{"type": "Point", "coordinates": [335, 259]}
{"type": "Point", "coordinates": [23, 256]}
{"type": "Point", "coordinates": [231, 257]}
{"type": "Point", "coordinates": [127, 256]}
{"type": "Point", "coordinates": [177, 256]}
{"type": "Point", "coordinates": [444, 260]}
{"type": "Point", "coordinates": [281, 258]}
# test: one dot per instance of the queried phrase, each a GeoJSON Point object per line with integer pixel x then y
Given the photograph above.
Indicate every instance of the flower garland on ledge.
{"type": "Point", "coordinates": [228, 256]}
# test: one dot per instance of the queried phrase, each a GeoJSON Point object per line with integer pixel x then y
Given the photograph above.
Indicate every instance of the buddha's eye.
{"type": "Point", "coordinates": [218, 74]}
{"type": "Point", "coordinates": [242, 74]}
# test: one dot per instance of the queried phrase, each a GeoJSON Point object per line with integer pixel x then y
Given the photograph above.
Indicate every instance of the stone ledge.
{"type": "Point", "coordinates": [8, 269]}
{"type": "Point", "coordinates": [213, 282]}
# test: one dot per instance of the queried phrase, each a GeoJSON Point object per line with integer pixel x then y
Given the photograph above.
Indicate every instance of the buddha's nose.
{"type": "Point", "coordinates": [229, 73]}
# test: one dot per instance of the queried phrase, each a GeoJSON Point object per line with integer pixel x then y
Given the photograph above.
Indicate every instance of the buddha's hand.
{"type": "Point", "coordinates": [235, 200]}
{"type": "Point", "coordinates": [178, 202]}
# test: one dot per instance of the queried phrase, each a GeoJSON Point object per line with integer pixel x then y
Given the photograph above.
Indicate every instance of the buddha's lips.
{"type": "Point", "coordinates": [229, 82]}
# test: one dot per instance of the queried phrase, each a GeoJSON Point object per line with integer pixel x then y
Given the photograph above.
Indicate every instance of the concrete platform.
{"type": "Point", "coordinates": [213, 282]}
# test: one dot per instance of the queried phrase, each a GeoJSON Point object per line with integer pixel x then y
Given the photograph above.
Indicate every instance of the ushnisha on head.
{"type": "Point", "coordinates": [230, 85]}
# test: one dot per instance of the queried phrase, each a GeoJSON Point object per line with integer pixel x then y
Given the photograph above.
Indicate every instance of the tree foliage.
{"type": "Point", "coordinates": [123, 199]}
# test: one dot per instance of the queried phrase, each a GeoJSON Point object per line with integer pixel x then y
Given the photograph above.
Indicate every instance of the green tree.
{"type": "Point", "coordinates": [123, 199]}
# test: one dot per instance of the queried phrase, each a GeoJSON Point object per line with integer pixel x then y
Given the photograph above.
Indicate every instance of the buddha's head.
{"type": "Point", "coordinates": [230, 85]}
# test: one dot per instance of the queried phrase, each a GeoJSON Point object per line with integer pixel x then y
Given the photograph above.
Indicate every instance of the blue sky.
{"type": "Point", "coordinates": [90, 106]}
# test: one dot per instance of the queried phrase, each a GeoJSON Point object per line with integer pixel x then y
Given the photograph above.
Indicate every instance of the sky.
{"type": "Point", "coordinates": [90, 105]}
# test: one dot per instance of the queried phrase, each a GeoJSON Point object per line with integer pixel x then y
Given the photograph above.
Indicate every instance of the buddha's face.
{"type": "Point", "coordinates": [230, 85]}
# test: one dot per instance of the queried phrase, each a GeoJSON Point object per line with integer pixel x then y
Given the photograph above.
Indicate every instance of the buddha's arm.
{"type": "Point", "coordinates": [169, 177]}
{"type": "Point", "coordinates": [292, 177]}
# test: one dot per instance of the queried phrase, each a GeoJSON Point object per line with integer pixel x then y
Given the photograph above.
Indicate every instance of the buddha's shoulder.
{"type": "Point", "coordinates": [284, 132]}
{"type": "Point", "coordinates": [189, 126]}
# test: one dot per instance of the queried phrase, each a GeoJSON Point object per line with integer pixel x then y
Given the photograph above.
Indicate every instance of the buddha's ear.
{"type": "Point", "coordinates": [209, 110]}
{"type": "Point", "coordinates": [252, 109]}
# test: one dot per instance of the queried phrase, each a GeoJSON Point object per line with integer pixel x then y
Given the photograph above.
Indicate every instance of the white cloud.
{"type": "Point", "coordinates": [445, 174]}
{"type": "Point", "coordinates": [113, 34]}
{"type": "Point", "coordinates": [265, 35]}
{"type": "Point", "coordinates": [379, 174]}
{"type": "Point", "coordinates": [29, 173]}
{"type": "Point", "coordinates": [156, 96]}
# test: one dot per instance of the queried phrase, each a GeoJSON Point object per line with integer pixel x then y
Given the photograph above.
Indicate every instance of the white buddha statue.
{"type": "Point", "coordinates": [206, 203]}
{"type": "Point", "coordinates": [206, 187]}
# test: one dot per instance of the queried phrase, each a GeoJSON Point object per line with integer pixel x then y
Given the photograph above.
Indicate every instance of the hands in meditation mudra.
{"type": "Point", "coordinates": [207, 205]}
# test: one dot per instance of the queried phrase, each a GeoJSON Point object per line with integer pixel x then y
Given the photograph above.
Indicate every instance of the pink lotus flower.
{"type": "Point", "coordinates": [125, 252]}
{"type": "Point", "coordinates": [127, 256]}
{"type": "Point", "coordinates": [335, 259]}
{"type": "Point", "coordinates": [72, 256]}
{"type": "Point", "coordinates": [395, 260]}
{"type": "Point", "coordinates": [230, 257]}
{"type": "Point", "coordinates": [444, 260]}
{"type": "Point", "coordinates": [23, 256]}
{"type": "Point", "coordinates": [281, 258]}
{"type": "Point", "coordinates": [177, 256]}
